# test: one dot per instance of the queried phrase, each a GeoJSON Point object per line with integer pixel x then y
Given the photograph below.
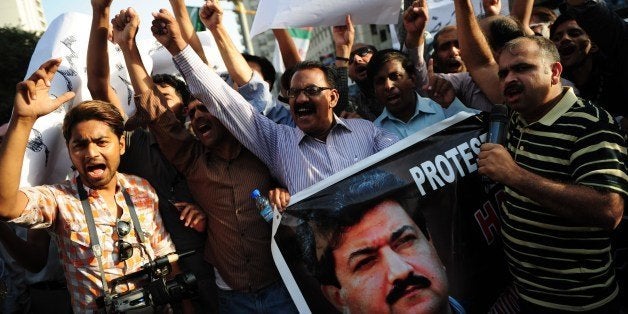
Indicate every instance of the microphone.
{"type": "Point", "coordinates": [497, 130]}
{"type": "Point", "coordinates": [498, 125]}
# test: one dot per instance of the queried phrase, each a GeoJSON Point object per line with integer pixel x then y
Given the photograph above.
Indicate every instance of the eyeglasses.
{"type": "Point", "coordinates": [310, 91]}
{"type": "Point", "coordinates": [125, 249]}
{"type": "Point", "coordinates": [362, 52]}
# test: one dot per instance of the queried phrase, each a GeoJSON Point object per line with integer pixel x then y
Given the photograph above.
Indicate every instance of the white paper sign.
{"type": "Point", "coordinates": [298, 13]}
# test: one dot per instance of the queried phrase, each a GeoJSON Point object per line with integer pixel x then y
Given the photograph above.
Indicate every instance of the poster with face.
{"type": "Point", "coordinates": [411, 229]}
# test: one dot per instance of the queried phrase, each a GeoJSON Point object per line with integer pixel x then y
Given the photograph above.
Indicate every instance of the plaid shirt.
{"type": "Point", "coordinates": [58, 207]}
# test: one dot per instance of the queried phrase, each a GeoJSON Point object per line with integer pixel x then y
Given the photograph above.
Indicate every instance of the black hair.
{"type": "Point", "coordinates": [561, 19]}
{"type": "Point", "coordinates": [330, 73]}
{"type": "Point", "coordinates": [502, 29]}
{"type": "Point", "coordinates": [382, 57]}
{"type": "Point", "coordinates": [268, 70]}
{"type": "Point", "coordinates": [177, 84]}
{"type": "Point", "coordinates": [93, 110]}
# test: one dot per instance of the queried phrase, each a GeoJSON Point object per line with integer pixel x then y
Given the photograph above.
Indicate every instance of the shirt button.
{"type": "Point", "coordinates": [521, 147]}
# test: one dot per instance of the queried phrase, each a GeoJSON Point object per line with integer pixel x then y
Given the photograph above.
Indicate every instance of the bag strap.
{"type": "Point", "coordinates": [93, 236]}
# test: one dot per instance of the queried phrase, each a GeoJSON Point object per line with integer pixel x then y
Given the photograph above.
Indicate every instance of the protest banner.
{"type": "Point", "coordinates": [293, 13]}
{"type": "Point", "coordinates": [433, 173]}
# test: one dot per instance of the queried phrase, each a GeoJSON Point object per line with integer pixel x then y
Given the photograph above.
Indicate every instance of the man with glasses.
{"type": "Point", "coordinates": [93, 134]}
{"type": "Point", "coordinates": [321, 144]}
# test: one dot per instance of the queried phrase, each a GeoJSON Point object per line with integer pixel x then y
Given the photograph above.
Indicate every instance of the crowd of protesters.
{"type": "Point", "coordinates": [199, 144]}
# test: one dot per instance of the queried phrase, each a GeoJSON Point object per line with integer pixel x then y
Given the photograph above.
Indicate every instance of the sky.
{"type": "Point", "coordinates": [54, 8]}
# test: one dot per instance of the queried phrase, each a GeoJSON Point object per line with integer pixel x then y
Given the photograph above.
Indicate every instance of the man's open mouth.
{"type": "Point", "coordinates": [204, 128]}
{"type": "Point", "coordinates": [96, 169]}
{"type": "Point", "coordinates": [513, 90]}
{"type": "Point", "coordinates": [567, 49]}
{"type": "Point", "coordinates": [305, 109]}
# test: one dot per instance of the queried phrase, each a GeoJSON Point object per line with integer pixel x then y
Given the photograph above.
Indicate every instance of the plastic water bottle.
{"type": "Point", "coordinates": [262, 203]}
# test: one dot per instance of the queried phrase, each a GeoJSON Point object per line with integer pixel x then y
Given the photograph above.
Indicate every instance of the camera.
{"type": "Point", "coordinates": [157, 291]}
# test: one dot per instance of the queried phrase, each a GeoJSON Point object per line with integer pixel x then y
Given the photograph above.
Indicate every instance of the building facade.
{"type": "Point", "coordinates": [24, 14]}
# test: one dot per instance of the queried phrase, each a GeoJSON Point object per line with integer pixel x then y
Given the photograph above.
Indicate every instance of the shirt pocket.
{"type": "Point", "coordinates": [79, 251]}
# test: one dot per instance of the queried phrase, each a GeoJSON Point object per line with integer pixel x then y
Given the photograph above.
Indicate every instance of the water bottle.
{"type": "Point", "coordinates": [262, 203]}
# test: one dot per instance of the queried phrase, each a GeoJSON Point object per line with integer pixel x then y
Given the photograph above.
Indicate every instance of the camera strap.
{"type": "Point", "coordinates": [91, 228]}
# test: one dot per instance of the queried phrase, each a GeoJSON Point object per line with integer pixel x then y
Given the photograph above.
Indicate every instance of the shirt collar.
{"type": "Point", "coordinates": [340, 123]}
{"type": "Point", "coordinates": [422, 105]}
{"type": "Point", "coordinates": [90, 191]}
{"type": "Point", "coordinates": [564, 104]}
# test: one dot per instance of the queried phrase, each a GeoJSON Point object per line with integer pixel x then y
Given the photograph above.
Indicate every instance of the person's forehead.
{"type": "Point", "coordinates": [164, 85]}
{"type": "Point", "coordinates": [358, 46]}
{"type": "Point", "coordinates": [525, 51]}
{"type": "Point", "coordinates": [390, 67]}
{"type": "Point", "coordinates": [91, 129]}
{"type": "Point", "coordinates": [305, 77]}
{"type": "Point", "coordinates": [567, 25]}
{"type": "Point", "coordinates": [376, 227]}
{"type": "Point", "coordinates": [447, 36]}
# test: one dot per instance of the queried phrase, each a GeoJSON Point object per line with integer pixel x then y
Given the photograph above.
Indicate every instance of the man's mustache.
{"type": "Point", "coordinates": [400, 286]}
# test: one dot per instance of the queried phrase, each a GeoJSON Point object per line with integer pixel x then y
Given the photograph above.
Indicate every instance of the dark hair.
{"type": "Point", "coordinates": [332, 215]}
{"type": "Point", "coordinates": [446, 29]}
{"type": "Point", "coordinates": [268, 70]}
{"type": "Point", "coordinates": [502, 29]}
{"type": "Point", "coordinates": [285, 78]}
{"type": "Point", "coordinates": [561, 19]}
{"type": "Point", "coordinates": [330, 73]}
{"type": "Point", "coordinates": [544, 14]}
{"type": "Point", "coordinates": [547, 48]}
{"type": "Point", "coordinates": [382, 57]}
{"type": "Point", "coordinates": [177, 84]}
{"type": "Point", "coordinates": [93, 110]}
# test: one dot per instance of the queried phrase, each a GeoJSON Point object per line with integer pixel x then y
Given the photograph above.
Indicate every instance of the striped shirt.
{"type": "Point", "coordinates": [58, 207]}
{"type": "Point", "coordinates": [294, 158]}
{"type": "Point", "coordinates": [556, 263]}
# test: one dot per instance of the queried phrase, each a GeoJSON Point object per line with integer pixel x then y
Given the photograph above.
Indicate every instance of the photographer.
{"type": "Point", "coordinates": [108, 224]}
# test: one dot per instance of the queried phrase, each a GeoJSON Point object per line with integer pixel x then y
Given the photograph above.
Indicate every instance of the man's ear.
{"type": "Point", "coordinates": [332, 294]}
{"type": "Point", "coordinates": [122, 144]}
{"type": "Point", "coordinates": [594, 47]}
{"type": "Point", "coordinates": [557, 70]}
{"type": "Point", "coordinates": [334, 97]}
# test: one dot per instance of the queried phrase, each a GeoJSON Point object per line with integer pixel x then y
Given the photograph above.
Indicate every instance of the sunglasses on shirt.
{"type": "Point", "coordinates": [125, 249]}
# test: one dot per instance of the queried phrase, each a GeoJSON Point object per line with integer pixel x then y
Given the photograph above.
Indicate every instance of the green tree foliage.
{"type": "Point", "coordinates": [17, 47]}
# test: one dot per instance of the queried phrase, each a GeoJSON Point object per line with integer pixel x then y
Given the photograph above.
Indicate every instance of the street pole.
{"type": "Point", "coordinates": [244, 22]}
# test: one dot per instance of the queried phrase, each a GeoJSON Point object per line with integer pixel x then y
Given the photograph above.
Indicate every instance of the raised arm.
{"type": "Point", "coordinates": [187, 29]}
{"type": "Point", "coordinates": [239, 69]}
{"type": "Point", "coordinates": [414, 21]}
{"type": "Point", "coordinates": [522, 11]}
{"type": "Point", "coordinates": [256, 132]}
{"type": "Point", "coordinates": [343, 36]}
{"type": "Point", "coordinates": [125, 26]}
{"type": "Point", "coordinates": [31, 102]}
{"type": "Point", "coordinates": [476, 52]}
{"type": "Point", "coordinates": [98, 57]}
{"type": "Point", "coordinates": [492, 7]}
{"type": "Point", "coordinates": [289, 52]}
